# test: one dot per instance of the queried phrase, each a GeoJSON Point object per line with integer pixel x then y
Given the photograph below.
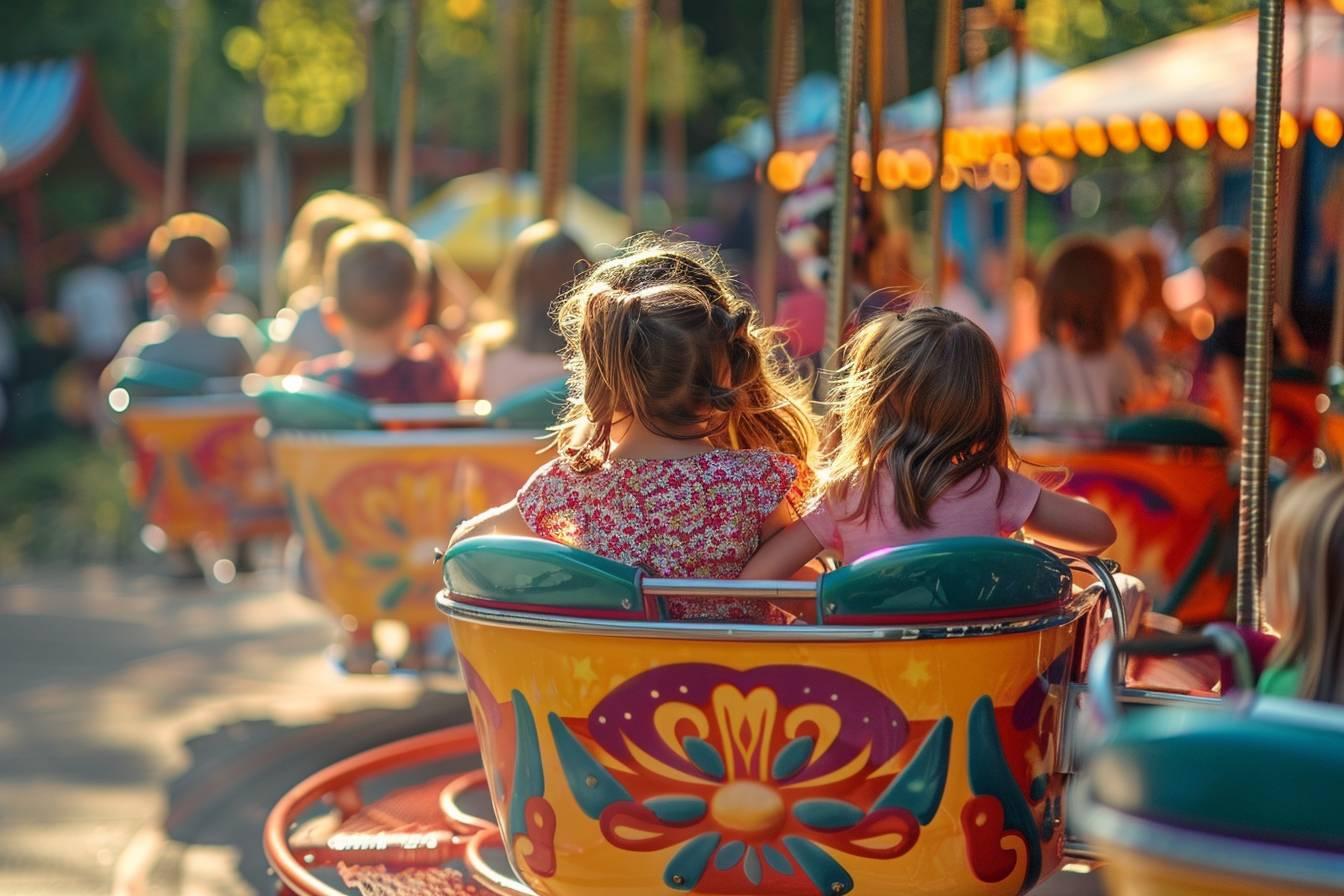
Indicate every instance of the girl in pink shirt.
{"type": "Point", "coordinates": [920, 451]}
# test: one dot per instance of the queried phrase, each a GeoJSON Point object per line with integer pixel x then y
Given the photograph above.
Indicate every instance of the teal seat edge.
{"type": "Point", "coordinates": [946, 580]}
{"type": "Point", "coordinates": [1227, 773]}
{"type": "Point", "coordinates": [296, 403]}
{"type": "Point", "coordinates": [530, 573]}
{"type": "Point", "coordinates": [1164, 429]}
{"type": "Point", "coordinates": [149, 379]}
{"type": "Point", "coordinates": [536, 407]}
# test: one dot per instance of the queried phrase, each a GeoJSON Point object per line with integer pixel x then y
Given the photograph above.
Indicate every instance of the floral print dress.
{"type": "Point", "coordinates": [694, 517]}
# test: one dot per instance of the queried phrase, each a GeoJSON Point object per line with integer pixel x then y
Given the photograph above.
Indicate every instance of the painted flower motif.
{"type": "Point", "coordinates": [759, 776]}
{"type": "Point", "coordinates": [386, 519]}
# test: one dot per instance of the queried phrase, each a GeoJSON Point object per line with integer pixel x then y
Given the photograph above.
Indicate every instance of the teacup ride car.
{"type": "Point", "coordinates": [1168, 484]}
{"type": "Point", "coordinates": [915, 734]}
{"type": "Point", "coordinates": [1332, 420]}
{"type": "Point", "coordinates": [1237, 799]}
{"type": "Point", "coordinates": [201, 477]}
{"type": "Point", "coordinates": [374, 490]}
{"type": "Point", "coordinates": [1297, 403]}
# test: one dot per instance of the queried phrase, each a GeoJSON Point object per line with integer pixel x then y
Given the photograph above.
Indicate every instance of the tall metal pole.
{"type": "Point", "coordinates": [877, 92]}
{"type": "Point", "coordinates": [399, 191]}
{"type": "Point", "coordinates": [948, 26]}
{"type": "Point", "coordinates": [363, 164]}
{"type": "Point", "coordinates": [632, 180]}
{"type": "Point", "coordinates": [850, 23]}
{"type": "Point", "coordinates": [179, 75]}
{"type": "Point", "coordinates": [783, 74]}
{"type": "Point", "coordinates": [554, 96]}
{"type": "Point", "coordinates": [1017, 208]}
{"type": "Point", "coordinates": [1259, 348]}
{"type": "Point", "coordinates": [673, 125]}
{"type": "Point", "coordinates": [268, 205]}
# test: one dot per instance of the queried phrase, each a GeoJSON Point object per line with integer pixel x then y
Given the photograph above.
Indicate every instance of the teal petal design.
{"type": "Point", "coordinates": [827, 815]}
{"type": "Point", "coordinates": [776, 859]}
{"type": "Point", "coordinates": [791, 759]}
{"type": "Point", "coordinates": [705, 757]}
{"type": "Point", "coordinates": [395, 527]}
{"type": "Point", "coordinates": [395, 592]}
{"type": "Point", "coordinates": [826, 874]}
{"type": "Point", "coordinates": [331, 539]}
{"type": "Point", "coordinates": [688, 865]}
{"type": "Point", "coordinates": [593, 787]}
{"type": "Point", "coordinates": [382, 561]}
{"type": "Point", "coordinates": [1038, 785]}
{"type": "Point", "coordinates": [752, 867]}
{"type": "Point", "coordinates": [919, 787]}
{"type": "Point", "coordinates": [295, 520]}
{"type": "Point", "coordinates": [677, 810]}
{"type": "Point", "coordinates": [990, 776]}
{"type": "Point", "coordinates": [528, 780]}
{"type": "Point", "coordinates": [730, 854]}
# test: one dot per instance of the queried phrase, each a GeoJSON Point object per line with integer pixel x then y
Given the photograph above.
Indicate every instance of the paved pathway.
{"type": "Point", "coordinates": [146, 727]}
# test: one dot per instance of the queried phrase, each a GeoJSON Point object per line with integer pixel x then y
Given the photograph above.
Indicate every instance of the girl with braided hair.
{"type": "Point", "coordinates": [686, 439]}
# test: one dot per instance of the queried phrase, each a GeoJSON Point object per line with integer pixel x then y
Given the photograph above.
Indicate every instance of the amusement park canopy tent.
{"type": "Point", "coordinates": [1200, 74]}
{"type": "Point", "coordinates": [475, 217]}
{"type": "Point", "coordinates": [812, 108]}
{"type": "Point", "coordinates": [42, 105]}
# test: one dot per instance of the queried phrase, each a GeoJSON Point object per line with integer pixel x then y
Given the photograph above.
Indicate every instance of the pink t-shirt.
{"type": "Point", "coordinates": [963, 510]}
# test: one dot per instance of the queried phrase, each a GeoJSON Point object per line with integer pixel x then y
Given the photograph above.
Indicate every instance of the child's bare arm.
{"type": "Point", "coordinates": [1070, 523]}
{"type": "Point", "coordinates": [502, 520]}
{"type": "Point", "coordinates": [783, 553]}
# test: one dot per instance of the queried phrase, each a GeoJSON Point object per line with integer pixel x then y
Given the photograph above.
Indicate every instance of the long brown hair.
{"type": "Point", "coordinates": [539, 266]}
{"type": "Point", "coordinates": [920, 398]}
{"type": "Point", "coordinates": [1081, 290]}
{"type": "Point", "coordinates": [1304, 584]}
{"type": "Point", "coordinates": [658, 333]}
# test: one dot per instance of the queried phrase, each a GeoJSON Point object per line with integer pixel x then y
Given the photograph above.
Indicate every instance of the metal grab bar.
{"type": "Point", "coordinates": [746, 589]}
{"type": "Point", "coordinates": [1105, 667]}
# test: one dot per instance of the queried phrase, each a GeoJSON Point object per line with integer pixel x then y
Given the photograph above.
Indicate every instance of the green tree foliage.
{"type": "Point", "coordinates": [1078, 31]}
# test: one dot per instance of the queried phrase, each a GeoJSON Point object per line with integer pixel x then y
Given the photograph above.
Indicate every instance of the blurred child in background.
{"type": "Point", "coordinates": [377, 300]}
{"type": "Point", "coordinates": [188, 253]}
{"type": "Point", "coordinates": [1082, 369]}
{"type": "Point", "coordinates": [317, 222]}
{"type": "Point", "coordinates": [1304, 591]}
{"type": "Point", "coordinates": [524, 348]}
{"type": "Point", "coordinates": [1224, 259]}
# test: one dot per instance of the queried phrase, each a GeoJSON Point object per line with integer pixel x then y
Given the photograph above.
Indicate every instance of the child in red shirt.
{"type": "Point", "coordinates": [376, 300]}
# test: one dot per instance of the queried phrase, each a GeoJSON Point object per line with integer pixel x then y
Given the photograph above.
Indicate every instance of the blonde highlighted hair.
{"type": "Point", "coordinates": [659, 334]}
{"type": "Point", "coordinates": [921, 399]}
{"type": "Point", "coordinates": [1304, 584]}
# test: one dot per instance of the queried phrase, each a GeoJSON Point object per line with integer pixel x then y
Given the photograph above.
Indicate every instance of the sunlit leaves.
{"type": "Point", "coordinates": [305, 54]}
{"type": "Point", "coordinates": [1078, 31]}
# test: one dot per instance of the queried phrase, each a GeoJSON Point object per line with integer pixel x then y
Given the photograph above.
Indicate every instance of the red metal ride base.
{"type": "Point", "coordinates": [416, 839]}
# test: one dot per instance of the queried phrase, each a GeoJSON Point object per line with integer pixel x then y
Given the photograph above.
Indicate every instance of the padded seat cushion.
{"type": "Point", "coordinates": [293, 402]}
{"type": "Point", "coordinates": [533, 408]}
{"type": "Point", "coordinates": [144, 379]}
{"type": "Point", "coordinates": [1222, 772]}
{"type": "Point", "coordinates": [1166, 430]}
{"type": "Point", "coordinates": [530, 573]}
{"type": "Point", "coordinates": [949, 580]}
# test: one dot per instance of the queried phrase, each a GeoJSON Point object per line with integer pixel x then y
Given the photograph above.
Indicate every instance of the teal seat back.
{"type": "Point", "coordinates": [1167, 430]}
{"type": "Point", "coordinates": [949, 581]}
{"type": "Point", "coordinates": [535, 408]}
{"type": "Point", "coordinates": [542, 577]}
{"type": "Point", "coordinates": [143, 379]}
{"type": "Point", "coordinates": [293, 402]}
{"type": "Point", "coordinates": [1271, 776]}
